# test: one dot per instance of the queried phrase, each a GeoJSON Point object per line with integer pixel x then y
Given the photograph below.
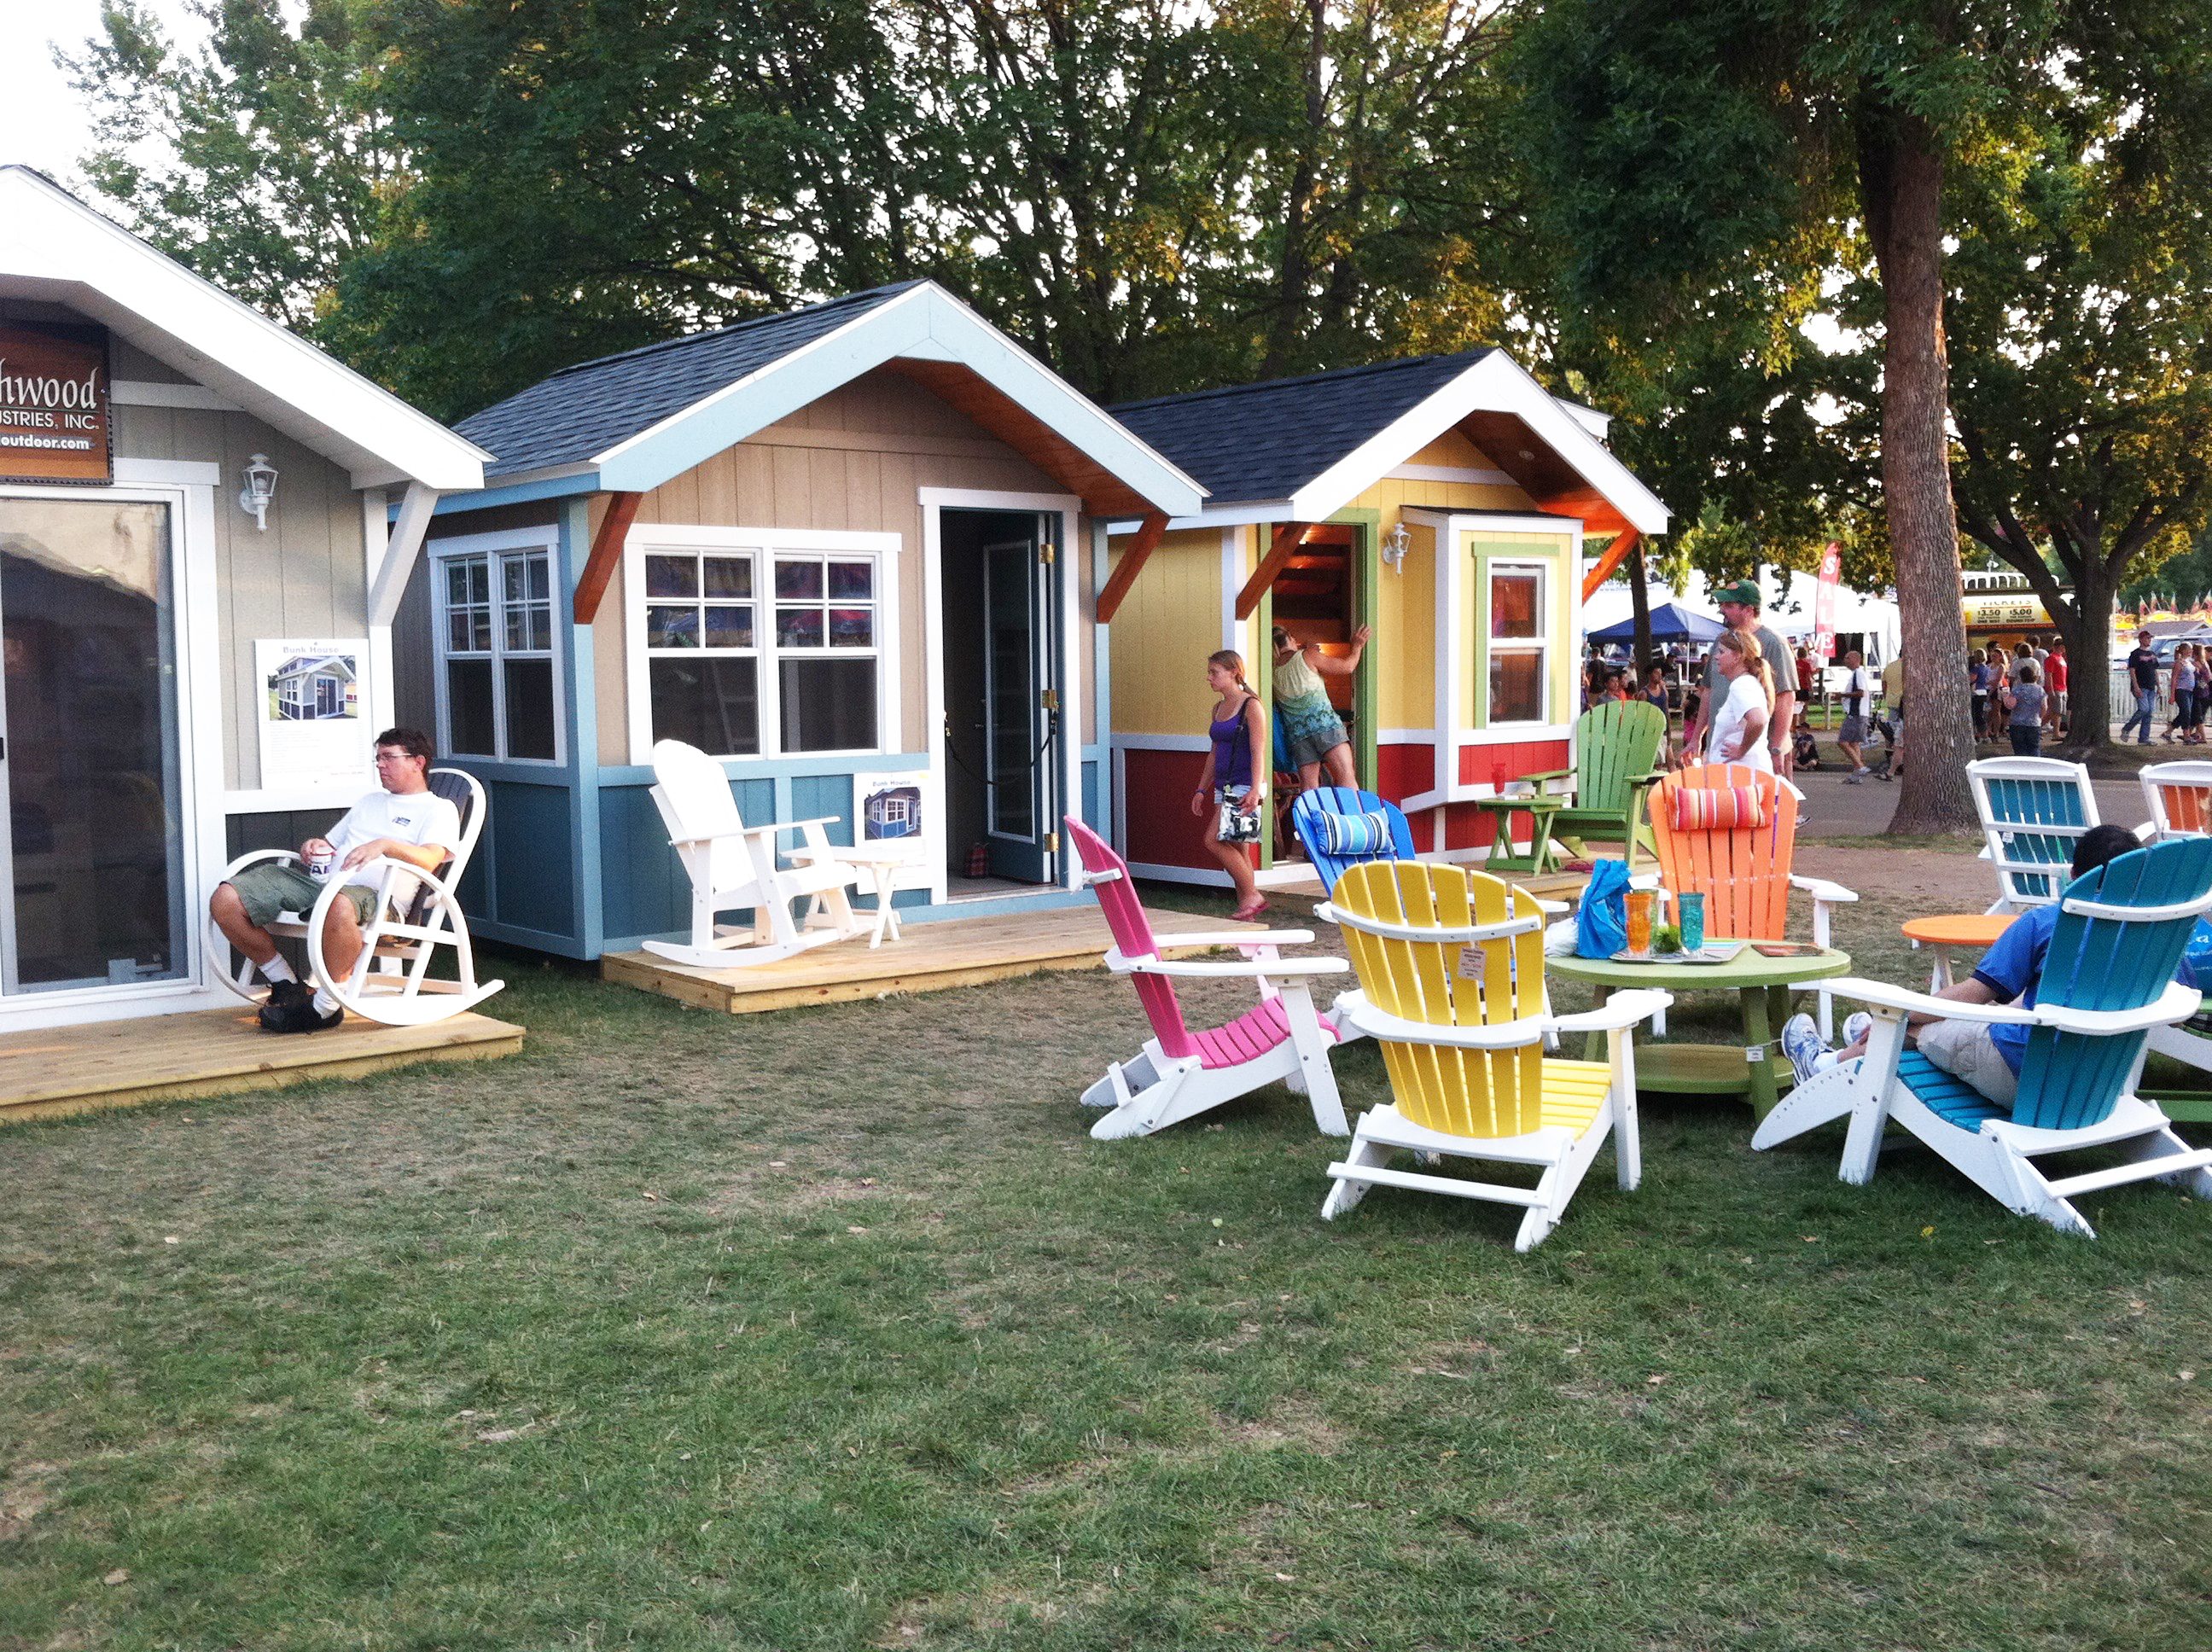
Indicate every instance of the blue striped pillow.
{"type": "Point", "coordinates": [1356, 835]}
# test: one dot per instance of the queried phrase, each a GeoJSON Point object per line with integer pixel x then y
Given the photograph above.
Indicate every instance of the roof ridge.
{"type": "Point", "coordinates": [1468, 356]}
{"type": "Point", "coordinates": [747, 325]}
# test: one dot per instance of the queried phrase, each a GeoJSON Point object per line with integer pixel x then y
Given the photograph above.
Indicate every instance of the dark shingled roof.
{"type": "Point", "coordinates": [586, 408]}
{"type": "Point", "coordinates": [1267, 440]}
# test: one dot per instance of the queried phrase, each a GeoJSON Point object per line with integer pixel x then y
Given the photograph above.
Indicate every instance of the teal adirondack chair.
{"type": "Point", "coordinates": [2033, 810]}
{"type": "Point", "coordinates": [1617, 746]}
{"type": "Point", "coordinates": [1309, 819]}
{"type": "Point", "coordinates": [2108, 981]}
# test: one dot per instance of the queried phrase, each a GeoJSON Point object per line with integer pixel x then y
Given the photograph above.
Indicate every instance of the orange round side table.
{"type": "Point", "coordinates": [1978, 929]}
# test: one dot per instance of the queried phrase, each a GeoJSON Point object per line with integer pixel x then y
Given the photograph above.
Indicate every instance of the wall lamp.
{"type": "Point", "coordinates": [260, 488]}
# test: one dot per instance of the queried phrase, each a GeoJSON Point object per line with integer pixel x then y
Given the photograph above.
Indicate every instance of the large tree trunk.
{"type": "Point", "coordinates": [2088, 634]}
{"type": "Point", "coordinates": [1639, 605]}
{"type": "Point", "coordinates": [1901, 187]}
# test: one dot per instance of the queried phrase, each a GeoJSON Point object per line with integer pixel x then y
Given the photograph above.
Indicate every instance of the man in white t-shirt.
{"type": "Point", "coordinates": [405, 822]}
{"type": "Point", "coordinates": [1858, 688]}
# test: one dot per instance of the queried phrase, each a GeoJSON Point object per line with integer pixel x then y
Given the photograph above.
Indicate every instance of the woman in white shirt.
{"type": "Point", "coordinates": [1740, 724]}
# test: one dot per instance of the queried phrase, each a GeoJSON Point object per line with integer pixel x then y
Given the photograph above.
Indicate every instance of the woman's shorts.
{"type": "Point", "coordinates": [1965, 1050]}
{"type": "Point", "coordinates": [1315, 741]}
{"type": "Point", "coordinates": [271, 889]}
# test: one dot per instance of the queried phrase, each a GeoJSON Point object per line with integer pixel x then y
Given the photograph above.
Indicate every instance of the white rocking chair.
{"type": "Point", "coordinates": [391, 982]}
{"type": "Point", "coordinates": [733, 865]}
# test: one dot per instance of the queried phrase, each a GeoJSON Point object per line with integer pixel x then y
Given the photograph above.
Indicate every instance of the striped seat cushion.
{"type": "Point", "coordinates": [1718, 808]}
{"type": "Point", "coordinates": [1356, 835]}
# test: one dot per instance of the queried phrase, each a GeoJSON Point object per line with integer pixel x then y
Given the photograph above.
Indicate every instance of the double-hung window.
{"type": "Point", "coordinates": [758, 642]}
{"type": "Point", "coordinates": [497, 687]}
{"type": "Point", "coordinates": [1520, 654]}
{"type": "Point", "coordinates": [826, 645]}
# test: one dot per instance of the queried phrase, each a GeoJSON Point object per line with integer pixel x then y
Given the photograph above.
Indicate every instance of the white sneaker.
{"type": "Point", "coordinates": [1856, 1027]}
{"type": "Point", "coordinates": [1800, 1042]}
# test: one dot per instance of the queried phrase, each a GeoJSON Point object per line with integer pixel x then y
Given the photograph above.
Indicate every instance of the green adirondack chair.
{"type": "Point", "coordinates": [1617, 762]}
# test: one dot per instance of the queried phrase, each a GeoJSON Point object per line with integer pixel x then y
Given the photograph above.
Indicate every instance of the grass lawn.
{"type": "Point", "coordinates": [833, 1329]}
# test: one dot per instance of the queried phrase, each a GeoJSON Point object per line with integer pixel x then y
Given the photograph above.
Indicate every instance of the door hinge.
{"type": "Point", "coordinates": [1044, 553]}
{"type": "Point", "coordinates": [1051, 842]}
{"type": "Point", "coordinates": [1049, 699]}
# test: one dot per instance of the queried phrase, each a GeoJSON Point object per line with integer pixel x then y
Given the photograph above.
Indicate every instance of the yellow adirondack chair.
{"type": "Point", "coordinates": [1452, 985]}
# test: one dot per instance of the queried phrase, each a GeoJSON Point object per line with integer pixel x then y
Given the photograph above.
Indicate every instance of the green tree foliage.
{"type": "Point", "coordinates": [1149, 195]}
{"type": "Point", "coordinates": [1722, 170]}
{"type": "Point", "coordinates": [2080, 342]}
{"type": "Point", "coordinates": [258, 160]}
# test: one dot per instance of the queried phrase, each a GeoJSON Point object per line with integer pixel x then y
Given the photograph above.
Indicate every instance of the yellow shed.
{"type": "Point", "coordinates": [1441, 501]}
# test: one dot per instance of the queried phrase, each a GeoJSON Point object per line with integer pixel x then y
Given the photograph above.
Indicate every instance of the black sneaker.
{"type": "Point", "coordinates": [282, 994]}
{"type": "Point", "coordinates": [299, 1016]}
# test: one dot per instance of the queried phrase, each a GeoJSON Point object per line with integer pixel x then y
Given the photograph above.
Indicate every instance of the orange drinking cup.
{"type": "Point", "coordinates": [1640, 903]}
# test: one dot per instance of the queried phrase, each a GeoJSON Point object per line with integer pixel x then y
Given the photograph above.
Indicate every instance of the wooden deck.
{"type": "Point", "coordinates": [927, 958]}
{"type": "Point", "coordinates": [158, 1058]}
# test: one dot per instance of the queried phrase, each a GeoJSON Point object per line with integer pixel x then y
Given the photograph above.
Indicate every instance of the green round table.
{"type": "Point", "coordinates": [1753, 1069]}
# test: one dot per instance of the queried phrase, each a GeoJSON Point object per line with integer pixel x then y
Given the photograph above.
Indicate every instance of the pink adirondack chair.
{"type": "Point", "coordinates": [1181, 1073]}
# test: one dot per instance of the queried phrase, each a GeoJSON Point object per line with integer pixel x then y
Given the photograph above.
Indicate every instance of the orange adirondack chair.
{"type": "Point", "coordinates": [2179, 797]}
{"type": "Point", "coordinates": [1729, 833]}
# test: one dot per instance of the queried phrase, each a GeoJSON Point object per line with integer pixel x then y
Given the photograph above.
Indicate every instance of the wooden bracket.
{"type": "Point", "coordinates": [606, 554]}
{"type": "Point", "coordinates": [1132, 564]}
{"type": "Point", "coordinates": [1602, 570]}
{"type": "Point", "coordinates": [1279, 553]}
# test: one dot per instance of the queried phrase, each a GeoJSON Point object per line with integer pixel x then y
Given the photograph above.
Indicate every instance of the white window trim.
{"type": "Point", "coordinates": [188, 488]}
{"type": "Point", "coordinates": [762, 544]}
{"type": "Point", "coordinates": [1542, 645]}
{"type": "Point", "coordinates": [439, 551]}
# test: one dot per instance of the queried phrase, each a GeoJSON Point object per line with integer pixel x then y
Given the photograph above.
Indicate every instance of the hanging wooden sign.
{"type": "Point", "coordinates": [54, 420]}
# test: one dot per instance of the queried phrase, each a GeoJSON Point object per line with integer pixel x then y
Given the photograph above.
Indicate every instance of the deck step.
{"type": "Point", "coordinates": [2134, 1170]}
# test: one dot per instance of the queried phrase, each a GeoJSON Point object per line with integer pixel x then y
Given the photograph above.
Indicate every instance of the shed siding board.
{"type": "Point", "coordinates": [414, 654]}
{"type": "Point", "coordinates": [1406, 635]}
{"type": "Point", "coordinates": [609, 661]}
{"type": "Point", "coordinates": [1169, 622]}
{"type": "Point", "coordinates": [125, 361]}
{"type": "Point", "coordinates": [856, 460]}
{"type": "Point", "coordinates": [305, 576]}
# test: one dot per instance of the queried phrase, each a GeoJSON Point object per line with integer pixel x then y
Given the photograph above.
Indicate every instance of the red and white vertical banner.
{"type": "Point", "coordinates": [1824, 602]}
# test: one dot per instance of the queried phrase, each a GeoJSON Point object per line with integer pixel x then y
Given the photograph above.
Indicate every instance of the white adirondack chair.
{"type": "Point", "coordinates": [1181, 1073]}
{"type": "Point", "coordinates": [416, 912]}
{"type": "Point", "coordinates": [2108, 981]}
{"type": "Point", "coordinates": [732, 865]}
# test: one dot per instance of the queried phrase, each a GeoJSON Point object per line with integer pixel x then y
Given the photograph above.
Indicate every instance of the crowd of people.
{"type": "Point", "coordinates": [2191, 683]}
{"type": "Point", "coordinates": [1749, 679]}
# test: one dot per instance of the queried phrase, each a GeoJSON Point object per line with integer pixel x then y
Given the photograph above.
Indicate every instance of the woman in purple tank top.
{"type": "Point", "coordinates": [1229, 790]}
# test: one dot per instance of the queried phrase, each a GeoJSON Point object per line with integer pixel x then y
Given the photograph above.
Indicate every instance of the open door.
{"type": "Point", "coordinates": [1002, 699]}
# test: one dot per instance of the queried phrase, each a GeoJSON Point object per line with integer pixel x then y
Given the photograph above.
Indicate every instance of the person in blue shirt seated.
{"type": "Point", "coordinates": [1986, 1055]}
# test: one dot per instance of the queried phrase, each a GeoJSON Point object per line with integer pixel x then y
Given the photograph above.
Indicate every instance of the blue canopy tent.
{"type": "Point", "coordinates": [1670, 623]}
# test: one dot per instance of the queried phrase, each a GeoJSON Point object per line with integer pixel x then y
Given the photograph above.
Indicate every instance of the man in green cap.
{"type": "Point", "coordinates": [1739, 605]}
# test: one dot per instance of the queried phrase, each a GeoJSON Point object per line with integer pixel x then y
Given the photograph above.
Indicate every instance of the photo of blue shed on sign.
{"type": "Point", "coordinates": [890, 808]}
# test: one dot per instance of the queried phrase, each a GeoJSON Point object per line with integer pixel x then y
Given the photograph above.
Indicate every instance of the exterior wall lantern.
{"type": "Point", "coordinates": [1395, 544]}
{"type": "Point", "coordinates": [260, 488]}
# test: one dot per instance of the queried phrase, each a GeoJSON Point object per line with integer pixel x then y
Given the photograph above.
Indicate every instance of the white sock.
{"type": "Point", "coordinates": [1823, 1061]}
{"type": "Point", "coordinates": [325, 1004]}
{"type": "Point", "coordinates": [276, 970]}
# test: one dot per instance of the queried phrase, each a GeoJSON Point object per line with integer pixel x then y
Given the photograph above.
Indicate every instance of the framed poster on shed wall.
{"type": "Point", "coordinates": [54, 419]}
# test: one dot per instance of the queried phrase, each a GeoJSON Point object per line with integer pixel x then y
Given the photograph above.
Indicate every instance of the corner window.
{"type": "Point", "coordinates": [1519, 641]}
{"type": "Point", "coordinates": [766, 646]}
{"type": "Point", "coordinates": [496, 692]}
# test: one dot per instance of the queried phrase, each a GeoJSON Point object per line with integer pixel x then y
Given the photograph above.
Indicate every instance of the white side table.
{"type": "Point", "coordinates": [882, 863]}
